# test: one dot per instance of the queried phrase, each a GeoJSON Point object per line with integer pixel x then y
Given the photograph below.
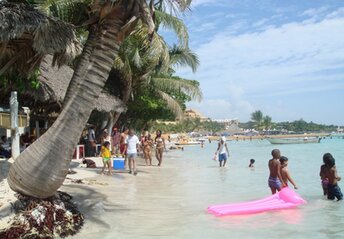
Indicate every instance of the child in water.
{"type": "Point", "coordinates": [333, 178]}
{"type": "Point", "coordinates": [106, 155]}
{"type": "Point", "coordinates": [275, 179]}
{"type": "Point", "coordinates": [285, 173]}
{"type": "Point", "coordinates": [323, 173]}
{"type": "Point", "coordinates": [251, 165]}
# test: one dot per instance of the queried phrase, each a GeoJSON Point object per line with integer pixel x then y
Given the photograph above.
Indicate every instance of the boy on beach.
{"type": "Point", "coordinates": [275, 179]}
{"type": "Point", "coordinates": [132, 144]}
{"type": "Point", "coordinates": [333, 178]}
{"type": "Point", "coordinates": [285, 172]}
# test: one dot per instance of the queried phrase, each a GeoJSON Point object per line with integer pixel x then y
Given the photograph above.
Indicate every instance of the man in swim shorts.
{"type": "Point", "coordinates": [275, 179]}
{"type": "Point", "coordinates": [223, 152]}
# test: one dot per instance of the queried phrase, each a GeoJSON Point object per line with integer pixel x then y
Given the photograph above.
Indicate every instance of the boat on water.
{"type": "Point", "coordinates": [305, 140]}
{"type": "Point", "coordinates": [187, 142]}
{"type": "Point", "coordinates": [338, 135]}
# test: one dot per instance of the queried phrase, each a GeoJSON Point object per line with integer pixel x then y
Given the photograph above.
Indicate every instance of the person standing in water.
{"type": "Point", "coordinates": [285, 172]}
{"type": "Point", "coordinates": [132, 143]}
{"type": "Point", "coordinates": [334, 190]}
{"type": "Point", "coordinates": [275, 179]}
{"type": "Point", "coordinates": [251, 165]}
{"type": "Point", "coordinates": [147, 149]}
{"type": "Point", "coordinates": [223, 152]}
{"type": "Point", "coordinates": [324, 173]}
{"type": "Point", "coordinates": [160, 146]}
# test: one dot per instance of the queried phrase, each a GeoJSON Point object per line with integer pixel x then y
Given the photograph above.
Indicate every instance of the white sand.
{"type": "Point", "coordinates": [109, 203]}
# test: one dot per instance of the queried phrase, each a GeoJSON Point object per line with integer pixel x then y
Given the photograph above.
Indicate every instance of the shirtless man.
{"type": "Point", "coordinates": [275, 178]}
{"type": "Point", "coordinates": [122, 144]}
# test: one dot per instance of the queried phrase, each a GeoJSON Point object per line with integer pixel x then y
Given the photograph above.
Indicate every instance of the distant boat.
{"type": "Point", "coordinates": [305, 140]}
{"type": "Point", "coordinates": [337, 135]}
{"type": "Point", "coordinates": [187, 142]}
{"type": "Point", "coordinates": [202, 140]}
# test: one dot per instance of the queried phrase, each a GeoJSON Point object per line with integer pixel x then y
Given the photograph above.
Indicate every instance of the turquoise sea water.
{"type": "Point", "coordinates": [206, 184]}
{"type": "Point", "coordinates": [171, 201]}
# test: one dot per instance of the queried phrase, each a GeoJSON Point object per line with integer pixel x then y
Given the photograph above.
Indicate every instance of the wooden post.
{"type": "Point", "coordinates": [14, 125]}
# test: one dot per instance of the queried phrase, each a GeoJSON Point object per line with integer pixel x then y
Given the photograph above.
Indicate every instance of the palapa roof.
{"type": "Point", "coordinates": [54, 82]}
{"type": "Point", "coordinates": [27, 35]}
{"type": "Point", "coordinates": [28, 40]}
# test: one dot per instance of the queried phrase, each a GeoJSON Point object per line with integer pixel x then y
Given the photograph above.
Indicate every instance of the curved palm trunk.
{"type": "Point", "coordinates": [41, 169]}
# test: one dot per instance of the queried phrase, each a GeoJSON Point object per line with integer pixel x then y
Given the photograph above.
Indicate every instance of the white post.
{"type": "Point", "coordinates": [14, 125]}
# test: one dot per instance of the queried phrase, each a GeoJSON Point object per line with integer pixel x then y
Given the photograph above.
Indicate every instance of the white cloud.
{"type": "Point", "coordinates": [284, 60]}
{"type": "Point", "coordinates": [312, 12]}
{"type": "Point", "coordinates": [196, 3]}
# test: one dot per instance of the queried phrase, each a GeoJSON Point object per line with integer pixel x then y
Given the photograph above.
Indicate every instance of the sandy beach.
{"type": "Point", "coordinates": [137, 199]}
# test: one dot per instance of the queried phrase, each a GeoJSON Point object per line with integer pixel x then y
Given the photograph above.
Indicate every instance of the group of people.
{"type": "Point", "coordinates": [128, 144]}
{"type": "Point", "coordinates": [279, 174]}
{"type": "Point", "coordinates": [280, 177]}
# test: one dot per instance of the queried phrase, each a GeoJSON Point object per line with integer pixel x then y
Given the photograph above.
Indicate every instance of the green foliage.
{"type": "Point", "coordinates": [300, 126]}
{"type": "Point", "coordinates": [297, 126]}
{"type": "Point", "coordinates": [16, 82]}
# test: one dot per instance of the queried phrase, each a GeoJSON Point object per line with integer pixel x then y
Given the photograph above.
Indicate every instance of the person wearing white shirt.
{"type": "Point", "coordinates": [132, 143]}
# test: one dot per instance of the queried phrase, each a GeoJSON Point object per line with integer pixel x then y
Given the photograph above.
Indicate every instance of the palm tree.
{"type": "Point", "coordinates": [41, 170]}
{"type": "Point", "coordinates": [257, 117]}
{"type": "Point", "coordinates": [150, 64]}
{"type": "Point", "coordinates": [267, 122]}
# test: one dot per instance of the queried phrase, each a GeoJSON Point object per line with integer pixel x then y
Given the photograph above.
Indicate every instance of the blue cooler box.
{"type": "Point", "coordinates": [118, 163]}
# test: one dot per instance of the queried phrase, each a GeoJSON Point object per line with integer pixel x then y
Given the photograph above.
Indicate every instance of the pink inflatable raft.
{"type": "Point", "coordinates": [284, 199]}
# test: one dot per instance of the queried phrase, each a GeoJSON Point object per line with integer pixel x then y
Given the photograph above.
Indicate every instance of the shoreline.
{"type": "Point", "coordinates": [261, 137]}
{"type": "Point", "coordinates": [94, 194]}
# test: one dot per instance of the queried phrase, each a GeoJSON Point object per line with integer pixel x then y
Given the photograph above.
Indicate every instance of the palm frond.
{"type": "Point", "coordinates": [174, 6]}
{"type": "Point", "coordinates": [71, 11]}
{"type": "Point", "coordinates": [172, 104]}
{"type": "Point", "coordinates": [174, 24]}
{"type": "Point", "coordinates": [176, 84]}
{"type": "Point", "coordinates": [181, 57]}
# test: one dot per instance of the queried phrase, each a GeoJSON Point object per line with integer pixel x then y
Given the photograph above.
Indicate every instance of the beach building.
{"type": "Point", "coordinates": [231, 125]}
{"type": "Point", "coordinates": [194, 114]}
{"type": "Point", "coordinates": [5, 121]}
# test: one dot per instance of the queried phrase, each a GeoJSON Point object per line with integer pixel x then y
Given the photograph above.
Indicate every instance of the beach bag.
{"type": "Point", "coordinates": [215, 157]}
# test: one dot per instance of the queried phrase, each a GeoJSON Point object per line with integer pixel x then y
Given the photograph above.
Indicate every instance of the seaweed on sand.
{"type": "Point", "coordinates": [56, 216]}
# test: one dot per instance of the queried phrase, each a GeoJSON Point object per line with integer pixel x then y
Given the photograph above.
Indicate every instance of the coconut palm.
{"type": "Point", "coordinates": [144, 64]}
{"type": "Point", "coordinates": [267, 122]}
{"type": "Point", "coordinates": [257, 117]}
{"type": "Point", "coordinates": [41, 169]}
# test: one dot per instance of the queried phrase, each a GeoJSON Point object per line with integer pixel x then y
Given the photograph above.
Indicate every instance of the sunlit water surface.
{"type": "Point", "coordinates": [171, 201]}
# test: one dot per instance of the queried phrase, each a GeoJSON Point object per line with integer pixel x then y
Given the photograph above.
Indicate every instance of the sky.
{"type": "Point", "coordinates": [285, 58]}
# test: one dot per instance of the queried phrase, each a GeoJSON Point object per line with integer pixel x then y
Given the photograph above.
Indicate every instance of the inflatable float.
{"type": "Point", "coordinates": [284, 199]}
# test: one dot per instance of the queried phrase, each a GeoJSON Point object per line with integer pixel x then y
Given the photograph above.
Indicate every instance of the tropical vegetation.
{"type": "Point", "coordinates": [261, 122]}
{"type": "Point", "coordinates": [41, 170]}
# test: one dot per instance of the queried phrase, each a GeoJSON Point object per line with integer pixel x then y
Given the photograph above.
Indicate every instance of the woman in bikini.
{"type": "Point", "coordinates": [160, 146]}
{"type": "Point", "coordinates": [147, 149]}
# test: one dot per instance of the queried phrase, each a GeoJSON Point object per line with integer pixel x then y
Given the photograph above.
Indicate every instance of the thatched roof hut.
{"type": "Point", "coordinates": [53, 87]}
{"type": "Point", "coordinates": [27, 35]}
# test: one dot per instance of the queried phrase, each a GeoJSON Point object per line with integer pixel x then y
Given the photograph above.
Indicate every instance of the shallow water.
{"type": "Point", "coordinates": [171, 201]}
